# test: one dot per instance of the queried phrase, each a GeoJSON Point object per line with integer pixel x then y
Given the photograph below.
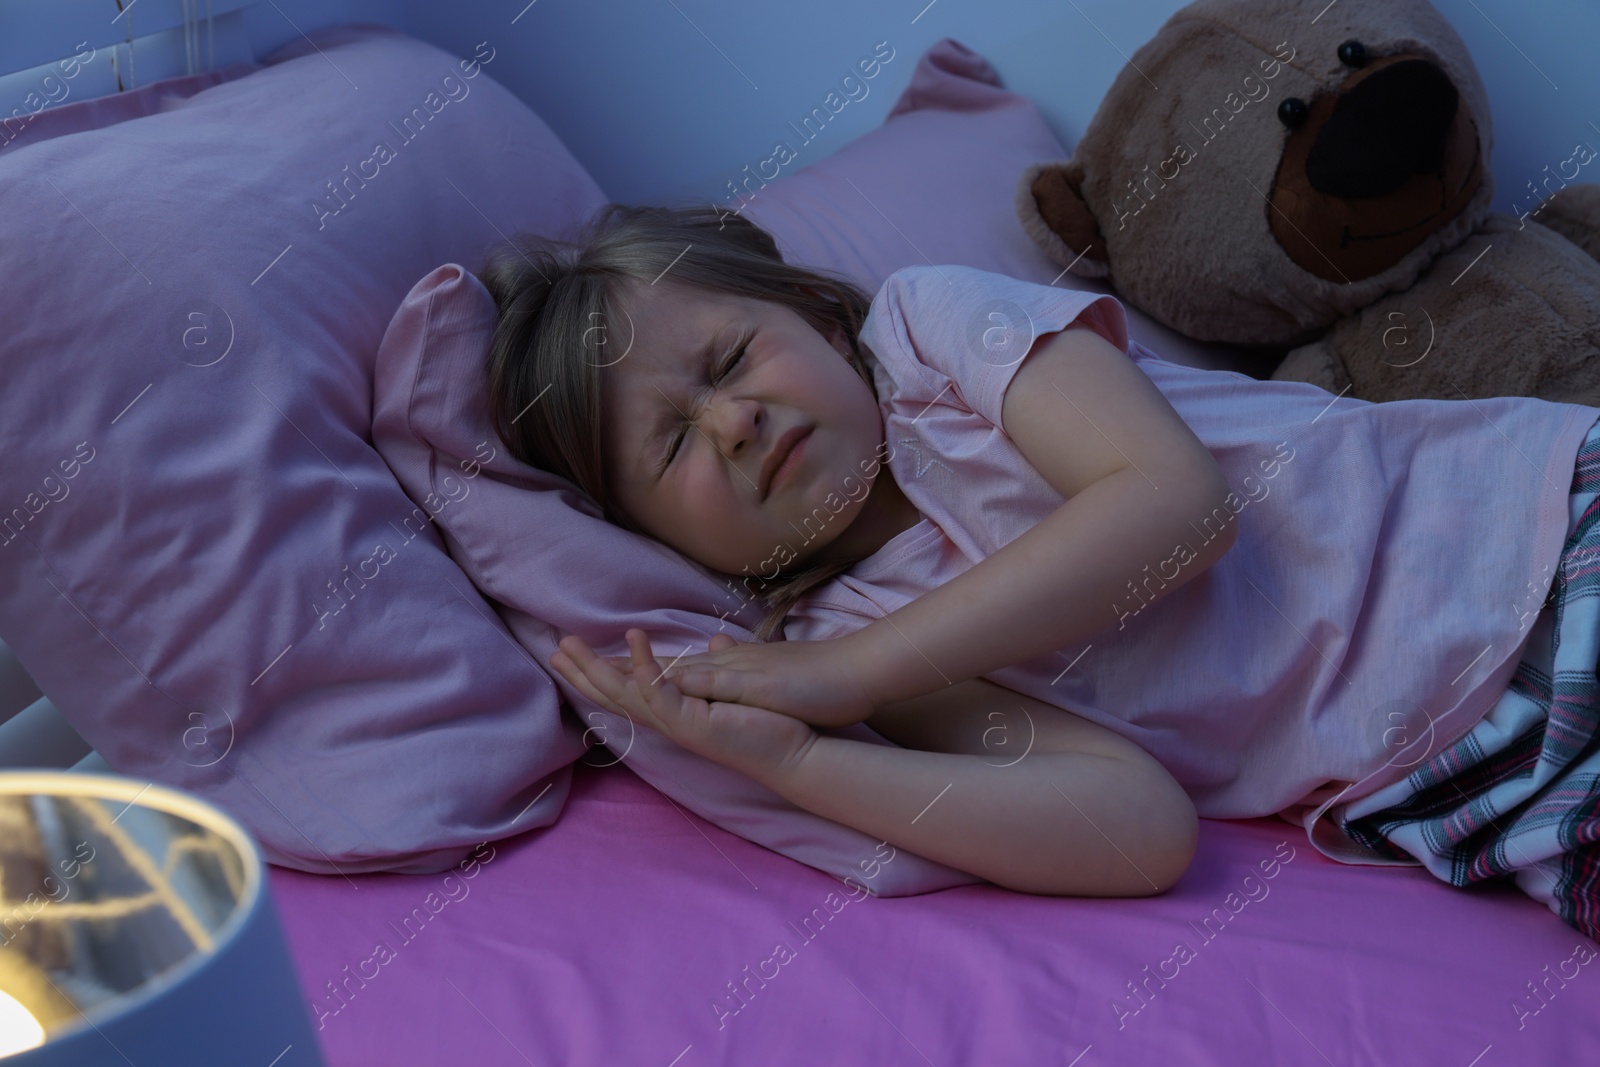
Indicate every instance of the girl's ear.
{"type": "Point", "coordinates": [841, 343]}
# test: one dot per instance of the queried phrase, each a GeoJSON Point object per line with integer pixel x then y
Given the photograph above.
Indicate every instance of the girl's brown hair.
{"type": "Point", "coordinates": [555, 299]}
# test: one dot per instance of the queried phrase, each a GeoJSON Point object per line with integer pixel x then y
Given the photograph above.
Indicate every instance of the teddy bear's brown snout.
{"type": "Point", "coordinates": [1389, 127]}
{"type": "Point", "coordinates": [1372, 167]}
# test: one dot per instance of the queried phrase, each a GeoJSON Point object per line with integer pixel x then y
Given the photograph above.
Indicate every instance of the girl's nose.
{"type": "Point", "coordinates": [735, 425]}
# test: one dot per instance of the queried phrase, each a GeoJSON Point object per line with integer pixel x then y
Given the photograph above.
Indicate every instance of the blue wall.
{"type": "Point", "coordinates": [670, 99]}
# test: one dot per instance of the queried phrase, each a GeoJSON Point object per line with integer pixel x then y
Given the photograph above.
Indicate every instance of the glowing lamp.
{"type": "Point", "coordinates": [136, 927]}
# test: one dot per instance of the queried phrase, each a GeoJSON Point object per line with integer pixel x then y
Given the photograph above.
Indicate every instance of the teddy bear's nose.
{"type": "Point", "coordinates": [1392, 124]}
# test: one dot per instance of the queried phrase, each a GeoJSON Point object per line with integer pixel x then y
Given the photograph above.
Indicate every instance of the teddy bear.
{"type": "Point", "coordinates": [1310, 184]}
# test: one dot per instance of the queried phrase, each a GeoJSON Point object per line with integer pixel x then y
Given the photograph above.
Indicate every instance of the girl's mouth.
{"type": "Point", "coordinates": [790, 463]}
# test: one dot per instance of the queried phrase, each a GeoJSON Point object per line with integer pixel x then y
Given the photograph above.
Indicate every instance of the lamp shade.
{"type": "Point", "coordinates": [136, 927]}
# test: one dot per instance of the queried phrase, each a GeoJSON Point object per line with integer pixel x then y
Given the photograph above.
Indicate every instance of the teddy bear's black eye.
{"type": "Point", "coordinates": [1292, 112]}
{"type": "Point", "coordinates": [1353, 53]}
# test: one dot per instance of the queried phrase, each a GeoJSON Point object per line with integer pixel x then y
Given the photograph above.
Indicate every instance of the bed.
{"type": "Point", "coordinates": [607, 904]}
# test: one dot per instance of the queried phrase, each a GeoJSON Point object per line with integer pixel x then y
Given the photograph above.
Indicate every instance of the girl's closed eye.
{"type": "Point", "coordinates": [716, 379]}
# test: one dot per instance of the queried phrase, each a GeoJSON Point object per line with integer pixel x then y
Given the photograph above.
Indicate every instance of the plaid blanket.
{"type": "Point", "coordinates": [1518, 796]}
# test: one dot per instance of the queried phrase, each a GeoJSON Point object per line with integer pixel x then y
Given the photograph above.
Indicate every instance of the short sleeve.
{"type": "Point", "coordinates": [823, 613]}
{"type": "Point", "coordinates": [954, 333]}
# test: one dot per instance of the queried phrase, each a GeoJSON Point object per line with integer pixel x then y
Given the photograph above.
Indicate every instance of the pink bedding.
{"type": "Point", "coordinates": [614, 936]}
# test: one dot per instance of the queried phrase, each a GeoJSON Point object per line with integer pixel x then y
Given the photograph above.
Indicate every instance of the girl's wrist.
{"type": "Point", "coordinates": [877, 657]}
{"type": "Point", "coordinates": [760, 744]}
{"type": "Point", "coordinates": [780, 775]}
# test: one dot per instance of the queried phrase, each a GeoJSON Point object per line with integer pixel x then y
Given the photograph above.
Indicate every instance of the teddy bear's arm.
{"type": "Point", "coordinates": [1317, 363]}
{"type": "Point", "coordinates": [1574, 212]}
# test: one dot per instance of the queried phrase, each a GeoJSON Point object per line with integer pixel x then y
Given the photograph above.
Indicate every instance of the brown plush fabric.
{"type": "Point", "coordinates": [1357, 232]}
{"type": "Point", "coordinates": [1574, 213]}
{"type": "Point", "coordinates": [1515, 324]}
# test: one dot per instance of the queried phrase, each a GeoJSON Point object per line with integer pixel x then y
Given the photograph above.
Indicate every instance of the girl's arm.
{"type": "Point", "coordinates": [1144, 504]}
{"type": "Point", "coordinates": [1056, 823]}
{"type": "Point", "coordinates": [1059, 805]}
{"type": "Point", "coordinates": [1018, 791]}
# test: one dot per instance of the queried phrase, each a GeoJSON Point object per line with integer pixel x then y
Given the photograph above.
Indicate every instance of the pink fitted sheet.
{"type": "Point", "coordinates": [618, 934]}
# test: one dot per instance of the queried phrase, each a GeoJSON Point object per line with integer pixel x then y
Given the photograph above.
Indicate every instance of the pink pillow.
{"type": "Point", "coordinates": [934, 184]}
{"type": "Point", "coordinates": [25, 126]}
{"type": "Point", "coordinates": [943, 167]}
{"type": "Point", "coordinates": [203, 561]}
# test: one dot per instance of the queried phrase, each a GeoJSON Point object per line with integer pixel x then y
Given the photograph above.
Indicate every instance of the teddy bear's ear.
{"type": "Point", "coordinates": [1054, 214]}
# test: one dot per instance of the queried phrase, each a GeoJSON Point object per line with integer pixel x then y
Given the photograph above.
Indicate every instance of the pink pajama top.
{"type": "Point", "coordinates": [1389, 563]}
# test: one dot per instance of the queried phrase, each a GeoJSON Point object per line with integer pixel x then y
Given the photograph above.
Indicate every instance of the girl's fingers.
{"type": "Point", "coordinates": [601, 682]}
{"type": "Point", "coordinates": [699, 664]}
{"type": "Point", "coordinates": [639, 651]}
{"type": "Point", "coordinates": [643, 666]}
{"type": "Point", "coordinates": [580, 681]}
{"type": "Point", "coordinates": [623, 686]}
{"type": "Point", "coordinates": [639, 646]}
{"type": "Point", "coordinates": [633, 683]}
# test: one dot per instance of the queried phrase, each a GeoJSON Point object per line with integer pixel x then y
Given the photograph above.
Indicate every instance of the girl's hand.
{"type": "Point", "coordinates": [819, 682]}
{"type": "Point", "coordinates": [751, 740]}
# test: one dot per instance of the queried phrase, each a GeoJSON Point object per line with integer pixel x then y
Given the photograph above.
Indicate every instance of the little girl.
{"type": "Point", "coordinates": [1093, 593]}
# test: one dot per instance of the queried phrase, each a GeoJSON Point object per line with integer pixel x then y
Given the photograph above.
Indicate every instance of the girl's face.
{"type": "Point", "coordinates": [695, 402]}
